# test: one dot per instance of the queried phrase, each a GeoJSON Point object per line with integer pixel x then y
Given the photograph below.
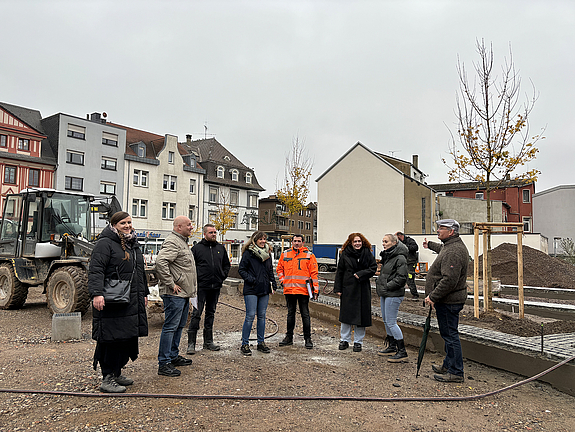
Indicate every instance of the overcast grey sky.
{"type": "Point", "coordinates": [262, 72]}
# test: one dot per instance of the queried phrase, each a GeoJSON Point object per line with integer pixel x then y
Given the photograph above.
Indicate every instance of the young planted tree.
{"type": "Point", "coordinates": [225, 216]}
{"type": "Point", "coordinates": [295, 190]}
{"type": "Point", "coordinates": [492, 142]}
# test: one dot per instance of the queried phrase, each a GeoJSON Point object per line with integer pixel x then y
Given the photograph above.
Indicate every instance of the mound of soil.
{"type": "Point", "coordinates": [539, 269]}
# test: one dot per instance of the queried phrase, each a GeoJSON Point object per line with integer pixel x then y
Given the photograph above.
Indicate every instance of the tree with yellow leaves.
{"type": "Point", "coordinates": [492, 139]}
{"type": "Point", "coordinates": [225, 217]}
{"type": "Point", "coordinates": [295, 190]}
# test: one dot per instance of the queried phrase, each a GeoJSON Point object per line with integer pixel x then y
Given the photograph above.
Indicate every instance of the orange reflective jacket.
{"type": "Point", "coordinates": [294, 268]}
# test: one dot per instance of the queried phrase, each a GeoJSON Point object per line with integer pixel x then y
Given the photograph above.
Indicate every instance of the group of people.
{"type": "Point", "coordinates": [199, 272]}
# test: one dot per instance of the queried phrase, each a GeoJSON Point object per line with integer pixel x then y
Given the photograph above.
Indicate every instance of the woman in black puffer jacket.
{"type": "Point", "coordinates": [390, 286]}
{"type": "Point", "coordinates": [116, 327]}
{"type": "Point", "coordinates": [256, 270]}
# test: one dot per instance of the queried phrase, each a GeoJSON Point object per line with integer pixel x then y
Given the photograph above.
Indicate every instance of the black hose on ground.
{"type": "Point", "coordinates": [293, 398]}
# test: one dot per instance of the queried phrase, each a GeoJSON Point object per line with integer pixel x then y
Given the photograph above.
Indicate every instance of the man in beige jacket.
{"type": "Point", "coordinates": [176, 270]}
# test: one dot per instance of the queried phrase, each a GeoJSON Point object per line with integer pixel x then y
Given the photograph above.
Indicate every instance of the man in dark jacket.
{"type": "Point", "coordinates": [412, 258]}
{"type": "Point", "coordinates": [446, 291]}
{"type": "Point", "coordinates": [212, 267]}
{"type": "Point", "coordinates": [176, 272]}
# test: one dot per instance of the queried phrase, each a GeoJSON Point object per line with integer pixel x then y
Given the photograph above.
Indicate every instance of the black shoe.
{"type": "Point", "coordinates": [343, 345]}
{"type": "Point", "coordinates": [449, 378]}
{"type": "Point", "coordinates": [308, 343]}
{"type": "Point", "coordinates": [390, 345]}
{"type": "Point", "coordinates": [191, 348]}
{"type": "Point", "coordinates": [263, 348]}
{"type": "Point", "coordinates": [401, 353]}
{"type": "Point", "coordinates": [109, 385]}
{"type": "Point", "coordinates": [210, 346]}
{"type": "Point", "coordinates": [415, 297]}
{"type": "Point", "coordinates": [124, 381]}
{"type": "Point", "coordinates": [168, 370]}
{"type": "Point", "coordinates": [245, 350]}
{"type": "Point", "coordinates": [181, 361]}
{"type": "Point", "coordinates": [288, 340]}
{"type": "Point", "coordinates": [440, 370]}
{"type": "Point", "coordinates": [356, 347]}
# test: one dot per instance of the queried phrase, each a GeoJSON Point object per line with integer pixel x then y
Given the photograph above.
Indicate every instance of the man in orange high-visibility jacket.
{"type": "Point", "coordinates": [296, 268]}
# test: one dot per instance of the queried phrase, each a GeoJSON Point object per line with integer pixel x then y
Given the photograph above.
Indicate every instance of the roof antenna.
{"type": "Point", "coordinates": [206, 129]}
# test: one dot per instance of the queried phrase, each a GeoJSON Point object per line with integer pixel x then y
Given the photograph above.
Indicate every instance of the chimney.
{"type": "Point", "coordinates": [189, 139]}
{"type": "Point", "coordinates": [96, 118]}
{"type": "Point", "coordinates": [415, 161]}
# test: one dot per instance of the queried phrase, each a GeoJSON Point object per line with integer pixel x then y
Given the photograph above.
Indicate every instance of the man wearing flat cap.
{"type": "Point", "coordinates": [446, 291]}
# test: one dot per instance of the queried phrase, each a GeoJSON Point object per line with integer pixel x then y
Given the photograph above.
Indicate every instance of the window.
{"type": "Point", "coordinates": [109, 163]}
{"type": "Point", "coordinates": [234, 221]}
{"type": "Point", "coordinates": [478, 195]}
{"type": "Point", "coordinates": [526, 224]}
{"type": "Point", "coordinates": [526, 196]}
{"type": "Point", "coordinates": [235, 175]}
{"type": "Point", "coordinates": [74, 183]}
{"type": "Point", "coordinates": [108, 188]}
{"type": "Point", "coordinates": [191, 212]}
{"type": "Point", "coordinates": [300, 224]}
{"type": "Point", "coordinates": [110, 139]}
{"type": "Point", "coordinates": [3, 141]}
{"type": "Point", "coordinates": [33, 177]}
{"type": "Point", "coordinates": [308, 226]}
{"type": "Point", "coordinates": [168, 210]}
{"type": "Point", "coordinates": [77, 132]}
{"type": "Point", "coordinates": [10, 174]}
{"type": "Point", "coordinates": [220, 172]}
{"type": "Point", "coordinates": [192, 186]}
{"type": "Point", "coordinates": [308, 213]}
{"type": "Point", "coordinates": [248, 177]}
{"type": "Point", "coordinates": [140, 178]}
{"type": "Point", "coordinates": [23, 144]}
{"type": "Point", "coordinates": [74, 157]}
{"type": "Point", "coordinates": [170, 182]}
{"type": "Point", "coordinates": [139, 207]}
{"type": "Point", "coordinates": [212, 216]}
{"type": "Point", "coordinates": [171, 157]}
{"type": "Point", "coordinates": [308, 239]}
{"type": "Point", "coordinates": [234, 197]}
{"type": "Point", "coordinates": [141, 150]}
{"type": "Point", "coordinates": [213, 195]}
{"type": "Point", "coordinates": [252, 200]}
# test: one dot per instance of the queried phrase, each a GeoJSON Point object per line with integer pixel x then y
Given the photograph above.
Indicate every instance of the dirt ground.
{"type": "Point", "coordinates": [29, 360]}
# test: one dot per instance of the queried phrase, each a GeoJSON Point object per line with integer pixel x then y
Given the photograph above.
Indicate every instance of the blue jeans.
{"type": "Point", "coordinates": [389, 310]}
{"type": "Point", "coordinates": [176, 314]}
{"type": "Point", "coordinates": [255, 304]}
{"type": "Point", "coordinates": [448, 321]}
{"type": "Point", "coordinates": [358, 334]}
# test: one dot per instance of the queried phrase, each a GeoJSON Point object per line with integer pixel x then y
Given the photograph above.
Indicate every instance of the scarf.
{"type": "Point", "coordinates": [261, 253]}
{"type": "Point", "coordinates": [130, 239]}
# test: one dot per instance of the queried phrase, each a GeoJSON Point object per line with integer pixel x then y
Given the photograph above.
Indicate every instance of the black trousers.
{"type": "Point", "coordinates": [292, 300]}
{"type": "Point", "coordinates": [207, 299]}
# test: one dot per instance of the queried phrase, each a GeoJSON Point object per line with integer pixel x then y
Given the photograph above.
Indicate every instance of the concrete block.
{"type": "Point", "coordinates": [66, 326]}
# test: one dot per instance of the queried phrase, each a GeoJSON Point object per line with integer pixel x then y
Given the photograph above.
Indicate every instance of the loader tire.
{"type": "Point", "coordinates": [67, 290]}
{"type": "Point", "coordinates": [13, 293]}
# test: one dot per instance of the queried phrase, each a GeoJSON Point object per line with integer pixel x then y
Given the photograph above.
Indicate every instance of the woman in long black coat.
{"type": "Point", "coordinates": [116, 327]}
{"type": "Point", "coordinates": [352, 283]}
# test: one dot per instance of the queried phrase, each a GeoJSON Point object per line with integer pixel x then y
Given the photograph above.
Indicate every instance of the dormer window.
{"type": "Point", "coordinates": [227, 158]}
{"type": "Point", "coordinates": [220, 172]}
{"type": "Point", "coordinates": [248, 177]}
{"type": "Point", "coordinates": [235, 175]}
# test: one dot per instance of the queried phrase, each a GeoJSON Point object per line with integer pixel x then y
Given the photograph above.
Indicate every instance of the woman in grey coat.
{"type": "Point", "coordinates": [390, 286]}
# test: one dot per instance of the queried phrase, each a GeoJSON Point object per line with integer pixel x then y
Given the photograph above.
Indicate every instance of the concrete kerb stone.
{"type": "Point", "coordinates": [66, 326]}
{"type": "Point", "coordinates": [520, 355]}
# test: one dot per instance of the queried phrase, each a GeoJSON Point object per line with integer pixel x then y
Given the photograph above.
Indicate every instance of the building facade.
{"type": "Point", "coordinates": [275, 221]}
{"type": "Point", "coordinates": [228, 182]}
{"type": "Point", "coordinates": [89, 154]}
{"type": "Point", "coordinates": [515, 195]}
{"type": "Point", "coordinates": [26, 159]}
{"type": "Point", "coordinates": [553, 211]}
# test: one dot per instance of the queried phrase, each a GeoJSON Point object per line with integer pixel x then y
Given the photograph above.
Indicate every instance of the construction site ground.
{"type": "Point", "coordinates": [29, 360]}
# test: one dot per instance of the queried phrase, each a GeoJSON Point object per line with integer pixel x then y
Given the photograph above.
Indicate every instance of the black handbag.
{"type": "Point", "coordinates": [117, 291]}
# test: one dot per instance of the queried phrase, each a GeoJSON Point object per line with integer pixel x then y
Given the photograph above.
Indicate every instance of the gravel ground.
{"type": "Point", "coordinates": [29, 360]}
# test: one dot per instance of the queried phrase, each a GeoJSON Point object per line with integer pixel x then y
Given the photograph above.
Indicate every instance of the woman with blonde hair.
{"type": "Point", "coordinates": [355, 267]}
{"type": "Point", "coordinates": [390, 286]}
{"type": "Point", "coordinates": [256, 270]}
